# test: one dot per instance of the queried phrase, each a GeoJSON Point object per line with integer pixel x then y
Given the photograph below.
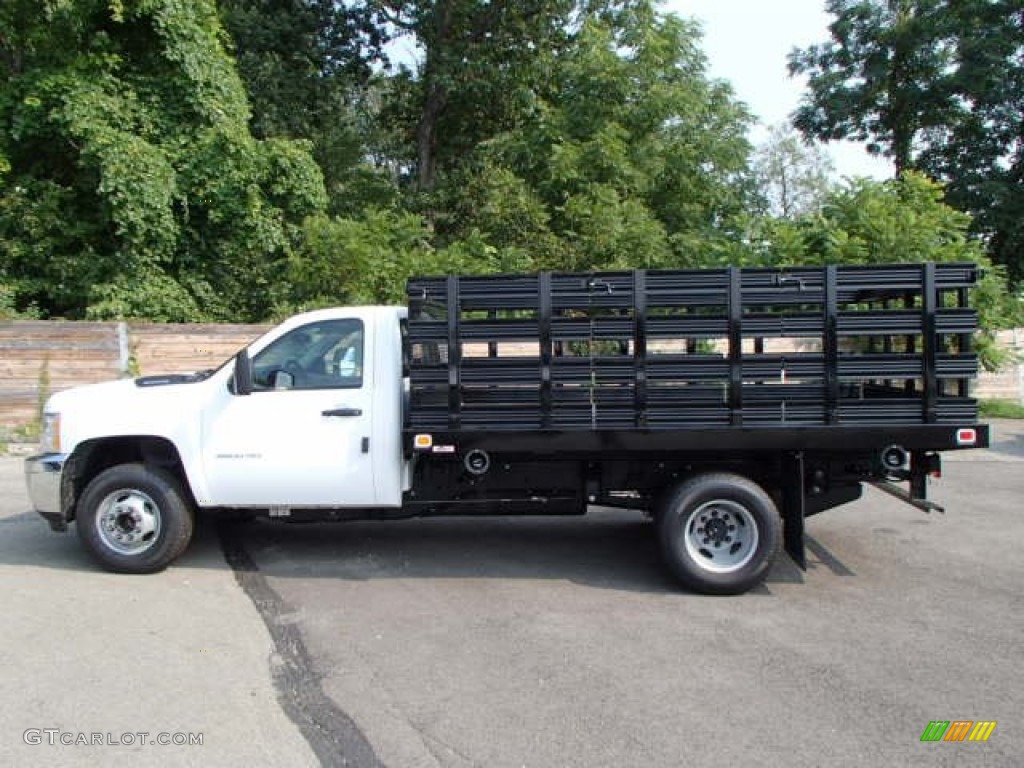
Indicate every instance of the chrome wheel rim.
{"type": "Point", "coordinates": [721, 536]}
{"type": "Point", "coordinates": [128, 521]}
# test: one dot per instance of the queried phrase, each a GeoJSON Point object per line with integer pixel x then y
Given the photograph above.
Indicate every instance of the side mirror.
{"type": "Point", "coordinates": [242, 376]}
{"type": "Point", "coordinates": [282, 380]}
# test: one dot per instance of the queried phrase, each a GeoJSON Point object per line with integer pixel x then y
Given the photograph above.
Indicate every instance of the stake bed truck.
{"type": "Point", "coordinates": [728, 405]}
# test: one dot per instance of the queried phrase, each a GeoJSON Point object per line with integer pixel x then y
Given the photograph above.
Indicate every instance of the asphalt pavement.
{"type": "Point", "coordinates": [90, 656]}
{"type": "Point", "coordinates": [529, 642]}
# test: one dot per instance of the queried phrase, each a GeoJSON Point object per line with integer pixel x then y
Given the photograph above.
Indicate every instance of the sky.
{"type": "Point", "coordinates": [747, 42]}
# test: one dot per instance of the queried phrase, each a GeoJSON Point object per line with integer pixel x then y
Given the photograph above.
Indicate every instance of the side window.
{"type": "Point", "coordinates": [324, 355]}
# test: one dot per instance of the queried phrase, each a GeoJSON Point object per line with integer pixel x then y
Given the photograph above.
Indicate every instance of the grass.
{"type": "Point", "coordinates": [21, 433]}
{"type": "Point", "coordinates": [26, 433]}
{"type": "Point", "coordinates": [1001, 409]}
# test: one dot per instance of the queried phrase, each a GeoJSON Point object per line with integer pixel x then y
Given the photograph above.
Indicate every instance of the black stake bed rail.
{"type": "Point", "coordinates": [849, 346]}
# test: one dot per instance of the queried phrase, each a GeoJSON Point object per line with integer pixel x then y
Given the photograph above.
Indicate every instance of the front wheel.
{"type": "Point", "coordinates": [719, 533]}
{"type": "Point", "coordinates": [134, 519]}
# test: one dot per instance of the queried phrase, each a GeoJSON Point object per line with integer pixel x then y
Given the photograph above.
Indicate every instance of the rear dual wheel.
{"type": "Point", "coordinates": [719, 533]}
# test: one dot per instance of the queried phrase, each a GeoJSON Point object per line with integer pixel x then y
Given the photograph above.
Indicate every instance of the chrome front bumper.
{"type": "Point", "coordinates": [44, 475]}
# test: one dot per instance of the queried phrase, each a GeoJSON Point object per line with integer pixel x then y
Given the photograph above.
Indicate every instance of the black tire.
{"type": "Point", "coordinates": [719, 533]}
{"type": "Point", "coordinates": [134, 519]}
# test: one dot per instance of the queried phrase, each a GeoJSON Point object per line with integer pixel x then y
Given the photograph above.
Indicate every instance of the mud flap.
{"type": "Point", "coordinates": [793, 507]}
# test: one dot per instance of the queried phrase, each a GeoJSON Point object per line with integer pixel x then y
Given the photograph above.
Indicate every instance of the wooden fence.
{"type": "Point", "coordinates": [41, 357]}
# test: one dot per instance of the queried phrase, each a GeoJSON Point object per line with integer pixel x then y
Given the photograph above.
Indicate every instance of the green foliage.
{"type": "Point", "coordinates": [938, 86]}
{"type": "Point", "coordinates": [358, 261]}
{"type": "Point", "coordinates": [153, 167]}
{"type": "Point", "coordinates": [164, 299]}
{"type": "Point", "coordinates": [8, 310]}
{"type": "Point", "coordinates": [133, 369]}
{"type": "Point", "coordinates": [629, 155]}
{"type": "Point", "coordinates": [903, 220]}
{"type": "Point", "coordinates": [863, 221]}
{"type": "Point", "coordinates": [306, 67]}
{"type": "Point", "coordinates": [368, 260]}
{"type": "Point", "coordinates": [899, 221]}
{"type": "Point", "coordinates": [1000, 409]}
{"type": "Point", "coordinates": [865, 83]}
{"type": "Point", "coordinates": [481, 65]}
{"type": "Point", "coordinates": [18, 435]}
{"type": "Point", "coordinates": [134, 188]}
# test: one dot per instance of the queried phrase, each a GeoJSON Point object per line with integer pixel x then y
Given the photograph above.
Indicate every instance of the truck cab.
{"type": "Point", "coordinates": [318, 425]}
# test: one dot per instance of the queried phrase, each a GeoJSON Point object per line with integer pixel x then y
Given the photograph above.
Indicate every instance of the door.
{"type": "Point", "coordinates": [302, 437]}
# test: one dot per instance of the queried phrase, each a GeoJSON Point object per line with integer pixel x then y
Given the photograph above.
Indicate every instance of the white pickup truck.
{"type": "Point", "coordinates": [541, 394]}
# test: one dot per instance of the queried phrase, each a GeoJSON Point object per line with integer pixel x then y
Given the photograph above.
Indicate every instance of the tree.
{"type": "Point", "coordinates": [296, 56]}
{"type": "Point", "coordinates": [132, 185]}
{"type": "Point", "coordinates": [938, 86]}
{"type": "Point", "coordinates": [549, 136]}
{"type": "Point", "coordinates": [871, 82]}
{"type": "Point", "coordinates": [307, 67]}
{"type": "Point", "coordinates": [794, 176]}
{"type": "Point", "coordinates": [629, 156]}
{"type": "Point", "coordinates": [980, 156]}
{"type": "Point", "coordinates": [902, 220]}
{"type": "Point", "coordinates": [479, 63]}
{"type": "Point", "coordinates": [367, 260]}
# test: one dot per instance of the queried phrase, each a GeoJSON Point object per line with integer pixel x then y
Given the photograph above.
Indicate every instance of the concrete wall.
{"type": "Point", "coordinates": [1008, 384]}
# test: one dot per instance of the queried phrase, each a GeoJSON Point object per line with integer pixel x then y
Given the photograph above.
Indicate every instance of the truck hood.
{"type": "Point", "coordinates": [159, 406]}
{"type": "Point", "coordinates": [120, 392]}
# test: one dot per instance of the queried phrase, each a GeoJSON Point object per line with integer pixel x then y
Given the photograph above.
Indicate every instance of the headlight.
{"type": "Point", "coordinates": [49, 440]}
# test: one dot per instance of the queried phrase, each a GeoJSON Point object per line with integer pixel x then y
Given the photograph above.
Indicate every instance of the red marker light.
{"type": "Point", "coordinates": [966, 436]}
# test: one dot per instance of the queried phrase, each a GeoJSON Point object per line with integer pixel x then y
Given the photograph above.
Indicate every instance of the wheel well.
{"type": "Point", "coordinates": [762, 471]}
{"type": "Point", "coordinates": [94, 456]}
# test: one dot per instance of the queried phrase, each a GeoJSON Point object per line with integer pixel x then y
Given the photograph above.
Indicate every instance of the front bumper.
{"type": "Point", "coordinates": [44, 476]}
